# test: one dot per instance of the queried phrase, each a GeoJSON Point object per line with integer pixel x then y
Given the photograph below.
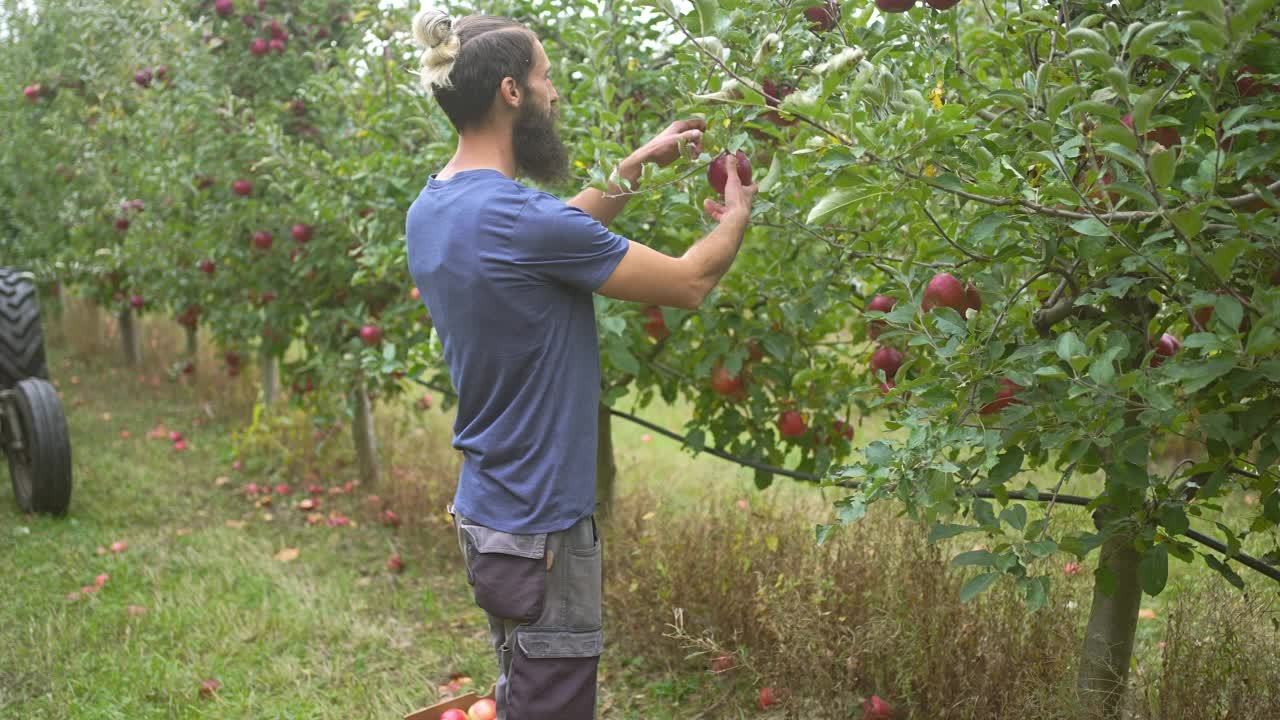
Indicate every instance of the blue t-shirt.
{"type": "Point", "coordinates": [507, 273]}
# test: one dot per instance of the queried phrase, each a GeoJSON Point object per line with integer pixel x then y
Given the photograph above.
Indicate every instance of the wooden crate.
{"type": "Point", "coordinates": [462, 702]}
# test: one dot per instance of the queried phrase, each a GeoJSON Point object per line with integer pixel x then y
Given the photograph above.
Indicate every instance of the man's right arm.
{"type": "Point", "coordinates": [645, 275]}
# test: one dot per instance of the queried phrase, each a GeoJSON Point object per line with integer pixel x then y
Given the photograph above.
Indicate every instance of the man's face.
{"type": "Point", "coordinates": [540, 154]}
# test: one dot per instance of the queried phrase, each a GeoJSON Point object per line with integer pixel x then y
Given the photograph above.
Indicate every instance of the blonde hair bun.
{"type": "Point", "coordinates": [433, 31]}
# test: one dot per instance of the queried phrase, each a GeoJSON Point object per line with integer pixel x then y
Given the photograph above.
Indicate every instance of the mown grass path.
{"type": "Point", "coordinates": [201, 592]}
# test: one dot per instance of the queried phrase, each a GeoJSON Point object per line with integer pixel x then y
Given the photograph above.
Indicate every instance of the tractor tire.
{"type": "Point", "coordinates": [21, 336]}
{"type": "Point", "coordinates": [41, 469]}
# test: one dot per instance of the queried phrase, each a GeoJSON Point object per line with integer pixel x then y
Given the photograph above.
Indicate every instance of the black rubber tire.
{"type": "Point", "coordinates": [41, 471]}
{"type": "Point", "coordinates": [21, 335]}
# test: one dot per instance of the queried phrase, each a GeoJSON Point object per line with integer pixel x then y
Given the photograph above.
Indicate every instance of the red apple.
{"type": "Point", "coordinates": [276, 45]}
{"type": "Point", "coordinates": [122, 224]}
{"type": "Point", "coordinates": [840, 427]}
{"type": "Point", "coordinates": [298, 107]}
{"type": "Point", "coordinates": [484, 709]}
{"type": "Point", "coordinates": [262, 240]}
{"type": "Point", "coordinates": [101, 579]}
{"type": "Point", "coordinates": [879, 303]}
{"type": "Point", "coordinates": [32, 92]}
{"type": "Point", "coordinates": [754, 351]}
{"type": "Point", "coordinates": [390, 518]}
{"type": "Point", "coordinates": [942, 4]}
{"type": "Point", "coordinates": [142, 78]}
{"type": "Point", "coordinates": [162, 71]}
{"type": "Point", "coordinates": [395, 564]}
{"type": "Point", "coordinates": [301, 232]}
{"type": "Point", "coordinates": [774, 93]}
{"type": "Point", "coordinates": [180, 445]}
{"type": "Point", "coordinates": [766, 698]}
{"type": "Point", "coordinates": [282, 489]}
{"type": "Point", "coordinates": [209, 688]}
{"type": "Point", "coordinates": [242, 187]}
{"type": "Point", "coordinates": [1166, 346]}
{"type": "Point", "coordinates": [259, 47]}
{"type": "Point", "coordinates": [453, 714]}
{"type": "Point", "coordinates": [944, 290]}
{"type": "Point", "coordinates": [718, 175]}
{"type": "Point", "coordinates": [972, 299]}
{"type": "Point", "coordinates": [791, 424]}
{"type": "Point", "coordinates": [224, 8]}
{"type": "Point", "coordinates": [1166, 136]}
{"type": "Point", "coordinates": [875, 708]}
{"type": "Point", "coordinates": [366, 212]}
{"type": "Point", "coordinates": [722, 663]}
{"type": "Point", "coordinates": [424, 402]}
{"type": "Point", "coordinates": [894, 6]}
{"type": "Point", "coordinates": [119, 546]}
{"type": "Point", "coordinates": [371, 334]}
{"type": "Point", "coordinates": [137, 302]}
{"type": "Point", "coordinates": [723, 383]}
{"type": "Point", "coordinates": [887, 359]}
{"type": "Point", "coordinates": [174, 435]}
{"type": "Point", "coordinates": [231, 359]}
{"type": "Point", "coordinates": [1249, 86]}
{"type": "Point", "coordinates": [823, 16]}
{"type": "Point", "coordinates": [1004, 397]}
{"type": "Point", "coordinates": [654, 323]}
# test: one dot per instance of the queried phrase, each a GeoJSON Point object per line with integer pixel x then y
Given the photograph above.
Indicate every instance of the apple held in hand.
{"type": "Point", "coordinates": [485, 709]}
{"type": "Point", "coordinates": [718, 173]}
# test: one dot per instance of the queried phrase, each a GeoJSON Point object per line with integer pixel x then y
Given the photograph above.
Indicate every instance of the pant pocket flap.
{"type": "Point", "coordinates": [560, 643]}
{"type": "Point", "coordinates": [488, 540]}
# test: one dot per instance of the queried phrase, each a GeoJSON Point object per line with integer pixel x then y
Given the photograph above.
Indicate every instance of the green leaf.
{"type": "Point", "coordinates": [943, 531]}
{"type": "Point", "coordinates": [1088, 36]}
{"type": "Point", "coordinates": [1091, 227]}
{"type": "Point", "coordinates": [1069, 346]}
{"type": "Point", "coordinates": [1163, 163]}
{"type": "Point", "coordinates": [1224, 570]}
{"type": "Point", "coordinates": [775, 174]}
{"type": "Point", "coordinates": [1144, 41]}
{"type": "Point", "coordinates": [974, 557]}
{"type": "Point", "coordinates": [822, 533]}
{"type": "Point", "coordinates": [1224, 259]}
{"type": "Point", "coordinates": [1195, 376]}
{"type": "Point", "coordinates": [1009, 464]}
{"type": "Point", "coordinates": [1189, 220]}
{"type": "Point", "coordinates": [1174, 519]}
{"type": "Point", "coordinates": [1061, 98]}
{"type": "Point", "coordinates": [852, 511]}
{"type": "Point", "coordinates": [1042, 548]}
{"type": "Point", "coordinates": [1128, 475]}
{"type": "Point", "coordinates": [763, 479]}
{"type": "Point", "coordinates": [978, 585]}
{"type": "Point", "coordinates": [833, 201]}
{"type": "Point", "coordinates": [1153, 570]}
{"type": "Point", "coordinates": [1015, 516]}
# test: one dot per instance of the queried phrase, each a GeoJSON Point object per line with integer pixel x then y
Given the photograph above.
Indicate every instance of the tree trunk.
{"type": "Point", "coordinates": [362, 432]}
{"type": "Point", "coordinates": [269, 367]}
{"type": "Point", "coordinates": [193, 342]}
{"type": "Point", "coordinates": [606, 467]}
{"type": "Point", "coordinates": [1108, 641]}
{"type": "Point", "coordinates": [129, 337]}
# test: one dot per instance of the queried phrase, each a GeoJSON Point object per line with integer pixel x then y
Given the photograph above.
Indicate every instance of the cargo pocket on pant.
{"type": "Point", "coordinates": [507, 571]}
{"type": "Point", "coordinates": [553, 674]}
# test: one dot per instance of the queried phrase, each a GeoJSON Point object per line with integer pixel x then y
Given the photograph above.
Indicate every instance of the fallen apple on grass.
{"type": "Point", "coordinates": [209, 688]}
{"type": "Point", "coordinates": [875, 708]}
{"type": "Point", "coordinates": [119, 546]}
{"type": "Point", "coordinates": [395, 564]}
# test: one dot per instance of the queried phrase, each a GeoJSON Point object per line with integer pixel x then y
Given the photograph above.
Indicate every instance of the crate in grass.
{"type": "Point", "coordinates": [462, 702]}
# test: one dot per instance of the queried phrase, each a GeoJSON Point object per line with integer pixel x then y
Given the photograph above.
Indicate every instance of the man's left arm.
{"type": "Point", "coordinates": [604, 207]}
{"type": "Point", "coordinates": [662, 150]}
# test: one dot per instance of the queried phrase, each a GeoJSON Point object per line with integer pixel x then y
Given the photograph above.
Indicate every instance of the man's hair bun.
{"type": "Point", "coordinates": [433, 30]}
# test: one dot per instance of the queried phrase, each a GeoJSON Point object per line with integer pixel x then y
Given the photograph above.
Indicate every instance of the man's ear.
{"type": "Point", "coordinates": [509, 91]}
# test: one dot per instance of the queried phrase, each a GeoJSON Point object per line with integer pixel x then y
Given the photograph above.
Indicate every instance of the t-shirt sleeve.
{"type": "Point", "coordinates": [562, 243]}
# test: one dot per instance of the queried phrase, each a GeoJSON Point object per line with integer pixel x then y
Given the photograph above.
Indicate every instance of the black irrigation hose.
{"type": "Point", "coordinates": [1246, 560]}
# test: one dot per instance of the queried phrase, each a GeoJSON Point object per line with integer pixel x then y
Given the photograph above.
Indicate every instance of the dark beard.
{"type": "Point", "coordinates": [540, 154]}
